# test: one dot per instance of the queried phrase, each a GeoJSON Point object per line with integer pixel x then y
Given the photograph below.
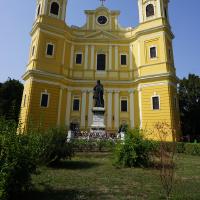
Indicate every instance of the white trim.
{"type": "Point", "coordinates": [59, 107]}
{"type": "Point", "coordinates": [116, 58]}
{"type": "Point", "coordinates": [83, 108]}
{"type": "Point", "coordinates": [86, 57]}
{"type": "Point", "coordinates": [109, 107]}
{"type": "Point", "coordinates": [68, 108]}
{"type": "Point", "coordinates": [110, 57]}
{"type": "Point", "coordinates": [63, 56]}
{"type": "Point", "coordinates": [131, 109]}
{"type": "Point", "coordinates": [48, 99]}
{"type": "Point", "coordinates": [131, 57]}
{"type": "Point", "coordinates": [92, 57]}
{"type": "Point", "coordinates": [47, 44]}
{"type": "Point", "coordinates": [124, 54]}
{"type": "Point", "coordinates": [124, 98]}
{"type": "Point", "coordinates": [140, 105]}
{"type": "Point", "coordinates": [116, 110]}
{"type": "Point", "coordinates": [155, 95]}
{"type": "Point", "coordinates": [72, 57]}
{"type": "Point", "coordinates": [51, 14]}
{"type": "Point", "coordinates": [156, 48]}
{"type": "Point", "coordinates": [90, 114]}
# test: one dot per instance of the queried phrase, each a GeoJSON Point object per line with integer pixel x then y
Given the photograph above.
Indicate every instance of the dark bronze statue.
{"type": "Point", "coordinates": [98, 95]}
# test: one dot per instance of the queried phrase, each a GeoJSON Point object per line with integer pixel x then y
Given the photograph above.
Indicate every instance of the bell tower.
{"type": "Point", "coordinates": [52, 8]}
{"type": "Point", "coordinates": [152, 9]}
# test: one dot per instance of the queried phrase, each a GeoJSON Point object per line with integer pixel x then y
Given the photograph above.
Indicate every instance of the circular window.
{"type": "Point", "coordinates": [102, 20]}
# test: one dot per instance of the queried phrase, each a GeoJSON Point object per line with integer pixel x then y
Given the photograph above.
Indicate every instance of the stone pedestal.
{"type": "Point", "coordinates": [98, 123]}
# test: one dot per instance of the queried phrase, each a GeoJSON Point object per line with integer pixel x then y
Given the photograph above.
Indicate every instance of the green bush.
{"type": "Point", "coordinates": [180, 147]}
{"type": "Point", "coordinates": [192, 148]}
{"type": "Point", "coordinates": [16, 161]}
{"type": "Point", "coordinates": [93, 145]}
{"type": "Point", "coordinates": [134, 151]}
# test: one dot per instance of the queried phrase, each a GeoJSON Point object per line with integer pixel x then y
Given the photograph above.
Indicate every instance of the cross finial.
{"type": "Point", "coordinates": [102, 2]}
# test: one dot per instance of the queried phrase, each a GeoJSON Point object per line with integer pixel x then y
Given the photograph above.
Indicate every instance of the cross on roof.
{"type": "Point", "coordinates": [102, 2]}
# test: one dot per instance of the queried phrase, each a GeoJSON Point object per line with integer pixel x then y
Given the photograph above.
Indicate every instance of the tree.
{"type": "Point", "coordinates": [189, 100]}
{"type": "Point", "coordinates": [10, 99]}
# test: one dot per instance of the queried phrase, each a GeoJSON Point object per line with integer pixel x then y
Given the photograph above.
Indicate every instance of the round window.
{"type": "Point", "coordinates": [102, 20]}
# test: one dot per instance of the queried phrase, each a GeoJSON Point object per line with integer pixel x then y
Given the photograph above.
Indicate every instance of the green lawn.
{"type": "Point", "coordinates": [92, 176]}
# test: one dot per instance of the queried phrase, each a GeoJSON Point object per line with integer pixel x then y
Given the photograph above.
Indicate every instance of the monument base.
{"type": "Point", "coordinates": [98, 124]}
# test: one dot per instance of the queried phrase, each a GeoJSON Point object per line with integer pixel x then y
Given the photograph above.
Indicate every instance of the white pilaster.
{"type": "Point", "coordinates": [83, 108]}
{"type": "Point", "coordinates": [140, 104]}
{"type": "Point", "coordinates": [140, 11]}
{"type": "Point", "coordinates": [86, 57]}
{"type": "Point", "coordinates": [116, 111]}
{"type": "Point", "coordinates": [131, 57]}
{"type": "Point", "coordinates": [63, 56]}
{"type": "Point", "coordinates": [116, 58]}
{"type": "Point", "coordinates": [92, 57]}
{"type": "Point", "coordinates": [159, 8]}
{"type": "Point", "coordinates": [131, 93]}
{"type": "Point", "coordinates": [64, 10]}
{"type": "Point", "coordinates": [45, 7]}
{"type": "Point", "coordinates": [110, 57]}
{"type": "Point", "coordinates": [90, 114]}
{"type": "Point", "coordinates": [109, 107]}
{"type": "Point", "coordinates": [59, 106]}
{"type": "Point", "coordinates": [72, 57]}
{"type": "Point", "coordinates": [68, 108]}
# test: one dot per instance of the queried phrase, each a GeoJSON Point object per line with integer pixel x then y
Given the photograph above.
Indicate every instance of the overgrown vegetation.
{"type": "Point", "coordinates": [21, 154]}
{"type": "Point", "coordinates": [134, 151]}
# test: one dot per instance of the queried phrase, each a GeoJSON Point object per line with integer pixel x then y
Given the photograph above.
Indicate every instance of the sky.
{"type": "Point", "coordinates": [17, 17]}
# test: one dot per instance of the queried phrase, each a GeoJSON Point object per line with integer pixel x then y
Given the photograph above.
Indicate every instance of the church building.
{"type": "Point", "coordinates": [135, 66]}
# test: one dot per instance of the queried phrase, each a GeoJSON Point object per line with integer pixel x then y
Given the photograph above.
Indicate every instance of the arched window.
{"type": "Point", "coordinates": [149, 10]}
{"type": "Point", "coordinates": [54, 8]}
{"type": "Point", "coordinates": [38, 10]}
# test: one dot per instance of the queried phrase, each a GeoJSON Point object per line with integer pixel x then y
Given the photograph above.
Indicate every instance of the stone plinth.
{"type": "Point", "coordinates": [98, 123]}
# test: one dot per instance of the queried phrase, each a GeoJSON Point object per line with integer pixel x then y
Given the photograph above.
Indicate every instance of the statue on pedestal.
{"type": "Point", "coordinates": [98, 95]}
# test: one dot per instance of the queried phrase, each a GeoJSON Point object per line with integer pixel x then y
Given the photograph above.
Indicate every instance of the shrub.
{"type": "Point", "coordinates": [134, 151]}
{"type": "Point", "coordinates": [192, 148]}
{"type": "Point", "coordinates": [16, 161]}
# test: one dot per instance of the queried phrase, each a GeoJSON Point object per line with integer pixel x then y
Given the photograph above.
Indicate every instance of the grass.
{"type": "Point", "coordinates": [92, 176]}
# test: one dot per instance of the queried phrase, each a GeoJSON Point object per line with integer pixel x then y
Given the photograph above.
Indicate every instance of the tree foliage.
{"type": "Point", "coordinates": [189, 100]}
{"type": "Point", "coordinates": [10, 99]}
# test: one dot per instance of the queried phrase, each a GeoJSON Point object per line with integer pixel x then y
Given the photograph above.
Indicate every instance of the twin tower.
{"type": "Point", "coordinates": [135, 65]}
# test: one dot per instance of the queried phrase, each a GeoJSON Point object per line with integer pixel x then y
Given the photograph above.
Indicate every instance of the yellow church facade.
{"type": "Point", "coordinates": [135, 66]}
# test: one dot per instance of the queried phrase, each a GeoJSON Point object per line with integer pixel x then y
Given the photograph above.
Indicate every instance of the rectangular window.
{"type": "Point", "coordinates": [123, 60]}
{"type": "Point", "coordinates": [79, 58]}
{"type": "Point", "coordinates": [153, 52]}
{"type": "Point", "coordinates": [124, 105]}
{"type": "Point", "coordinates": [76, 104]}
{"type": "Point", "coordinates": [156, 103]}
{"type": "Point", "coordinates": [44, 100]}
{"type": "Point", "coordinates": [101, 62]}
{"type": "Point", "coordinates": [50, 49]}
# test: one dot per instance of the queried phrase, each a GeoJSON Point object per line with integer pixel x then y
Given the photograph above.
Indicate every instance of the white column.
{"type": "Point", "coordinates": [63, 56]}
{"type": "Point", "coordinates": [90, 114]}
{"type": "Point", "coordinates": [92, 57]}
{"type": "Point", "coordinates": [109, 107]}
{"type": "Point", "coordinates": [131, 93]}
{"type": "Point", "coordinates": [116, 111]}
{"type": "Point", "coordinates": [140, 104]}
{"type": "Point", "coordinates": [64, 10]}
{"type": "Point", "coordinates": [83, 108]}
{"type": "Point", "coordinates": [59, 106]}
{"type": "Point", "coordinates": [110, 57]}
{"type": "Point", "coordinates": [72, 57]}
{"type": "Point", "coordinates": [45, 7]}
{"type": "Point", "coordinates": [86, 57]}
{"type": "Point", "coordinates": [131, 57]}
{"type": "Point", "coordinates": [140, 11]}
{"type": "Point", "coordinates": [116, 58]}
{"type": "Point", "coordinates": [68, 108]}
{"type": "Point", "coordinates": [159, 8]}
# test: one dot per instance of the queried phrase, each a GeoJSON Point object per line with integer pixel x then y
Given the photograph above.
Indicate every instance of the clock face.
{"type": "Point", "coordinates": [102, 20]}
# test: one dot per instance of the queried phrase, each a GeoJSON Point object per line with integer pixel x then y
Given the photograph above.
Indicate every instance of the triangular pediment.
{"type": "Point", "coordinates": [101, 35]}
